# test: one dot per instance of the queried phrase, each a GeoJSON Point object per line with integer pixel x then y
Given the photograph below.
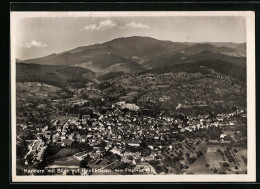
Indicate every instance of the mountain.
{"type": "Point", "coordinates": [120, 50]}
{"type": "Point", "coordinates": [132, 49]}
{"type": "Point", "coordinates": [128, 47]}
{"type": "Point", "coordinates": [169, 59]}
{"type": "Point", "coordinates": [100, 57]}
{"type": "Point", "coordinates": [98, 60]}
{"type": "Point", "coordinates": [136, 54]}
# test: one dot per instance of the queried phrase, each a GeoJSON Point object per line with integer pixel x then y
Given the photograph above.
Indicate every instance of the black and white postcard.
{"type": "Point", "coordinates": [133, 96]}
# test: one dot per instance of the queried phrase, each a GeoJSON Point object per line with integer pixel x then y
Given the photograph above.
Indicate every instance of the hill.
{"type": "Point", "coordinates": [204, 67]}
{"type": "Point", "coordinates": [238, 46]}
{"type": "Point", "coordinates": [60, 76]}
{"type": "Point", "coordinates": [198, 48]}
{"type": "Point", "coordinates": [111, 75]}
{"type": "Point", "coordinates": [169, 59]}
{"type": "Point", "coordinates": [239, 49]}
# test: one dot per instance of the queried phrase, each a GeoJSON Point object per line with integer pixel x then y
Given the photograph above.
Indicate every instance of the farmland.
{"type": "Point", "coordinates": [36, 90]}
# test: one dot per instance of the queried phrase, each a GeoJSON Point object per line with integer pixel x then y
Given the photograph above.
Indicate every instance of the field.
{"type": "Point", "coordinates": [65, 152]}
{"type": "Point", "coordinates": [36, 90]}
{"type": "Point", "coordinates": [213, 159]}
{"type": "Point", "coordinates": [66, 162]}
{"type": "Point", "coordinates": [210, 159]}
{"type": "Point", "coordinates": [62, 119]}
{"type": "Point", "coordinates": [241, 157]}
{"type": "Point", "coordinates": [199, 166]}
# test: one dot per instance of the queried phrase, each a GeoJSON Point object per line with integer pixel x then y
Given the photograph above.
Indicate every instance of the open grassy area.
{"type": "Point", "coordinates": [62, 119]}
{"type": "Point", "coordinates": [241, 156]}
{"type": "Point", "coordinates": [65, 152]}
{"type": "Point", "coordinates": [68, 161]}
{"type": "Point", "coordinates": [213, 159]}
{"type": "Point", "coordinates": [199, 166]}
{"type": "Point", "coordinates": [35, 89]}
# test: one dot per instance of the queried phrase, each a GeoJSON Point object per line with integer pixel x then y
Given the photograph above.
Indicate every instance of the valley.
{"type": "Point", "coordinates": [134, 105]}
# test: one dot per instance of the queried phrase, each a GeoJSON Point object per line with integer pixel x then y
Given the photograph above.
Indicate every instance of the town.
{"type": "Point", "coordinates": [150, 123]}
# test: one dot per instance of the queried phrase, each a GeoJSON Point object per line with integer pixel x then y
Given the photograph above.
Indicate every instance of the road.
{"type": "Point", "coordinates": [109, 165]}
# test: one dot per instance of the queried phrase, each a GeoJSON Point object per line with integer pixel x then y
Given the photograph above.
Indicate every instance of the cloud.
{"type": "Point", "coordinates": [33, 43]}
{"type": "Point", "coordinates": [136, 25]}
{"type": "Point", "coordinates": [103, 25]}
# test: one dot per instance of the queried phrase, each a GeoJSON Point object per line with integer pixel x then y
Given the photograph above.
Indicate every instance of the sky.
{"type": "Point", "coordinates": [41, 36]}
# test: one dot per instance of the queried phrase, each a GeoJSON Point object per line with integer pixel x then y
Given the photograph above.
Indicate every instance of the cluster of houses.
{"type": "Point", "coordinates": [116, 131]}
{"type": "Point", "coordinates": [36, 150]}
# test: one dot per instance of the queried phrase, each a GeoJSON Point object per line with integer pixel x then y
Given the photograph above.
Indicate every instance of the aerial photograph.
{"type": "Point", "coordinates": [131, 95]}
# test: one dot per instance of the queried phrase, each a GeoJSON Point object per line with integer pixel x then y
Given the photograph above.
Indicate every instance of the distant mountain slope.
{"type": "Point", "coordinates": [115, 51]}
{"type": "Point", "coordinates": [239, 49]}
{"type": "Point", "coordinates": [219, 66]}
{"type": "Point", "coordinates": [60, 76]}
{"type": "Point", "coordinates": [169, 59]}
{"type": "Point", "coordinates": [128, 67]}
{"type": "Point", "coordinates": [198, 48]}
{"type": "Point", "coordinates": [101, 59]}
{"type": "Point", "coordinates": [111, 75]}
{"type": "Point", "coordinates": [237, 46]}
{"type": "Point", "coordinates": [128, 47]}
{"type": "Point", "coordinates": [135, 54]}
{"type": "Point", "coordinates": [144, 46]}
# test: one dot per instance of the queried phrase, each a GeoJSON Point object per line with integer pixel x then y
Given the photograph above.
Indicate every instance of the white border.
{"type": "Point", "coordinates": [250, 35]}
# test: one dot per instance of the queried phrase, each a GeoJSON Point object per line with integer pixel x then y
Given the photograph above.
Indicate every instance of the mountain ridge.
{"type": "Point", "coordinates": [126, 47]}
{"type": "Point", "coordinates": [136, 54]}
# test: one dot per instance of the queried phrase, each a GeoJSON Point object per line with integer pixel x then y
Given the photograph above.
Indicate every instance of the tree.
{"type": "Point", "coordinates": [21, 149]}
{"type": "Point", "coordinates": [199, 153]}
{"type": "Point", "coordinates": [143, 144]}
{"type": "Point", "coordinates": [228, 148]}
{"type": "Point", "coordinates": [84, 96]}
{"type": "Point", "coordinates": [225, 164]}
{"type": "Point", "coordinates": [83, 163]}
{"type": "Point", "coordinates": [42, 165]}
{"type": "Point", "coordinates": [215, 170]}
{"type": "Point", "coordinates": [29, 158]}
{"type": "Point", "coordinates": [181, 166]}
{"type": "Point", "coordinates": [191, 159]}
{"type": "Point", "coordinates": [222, 172]}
